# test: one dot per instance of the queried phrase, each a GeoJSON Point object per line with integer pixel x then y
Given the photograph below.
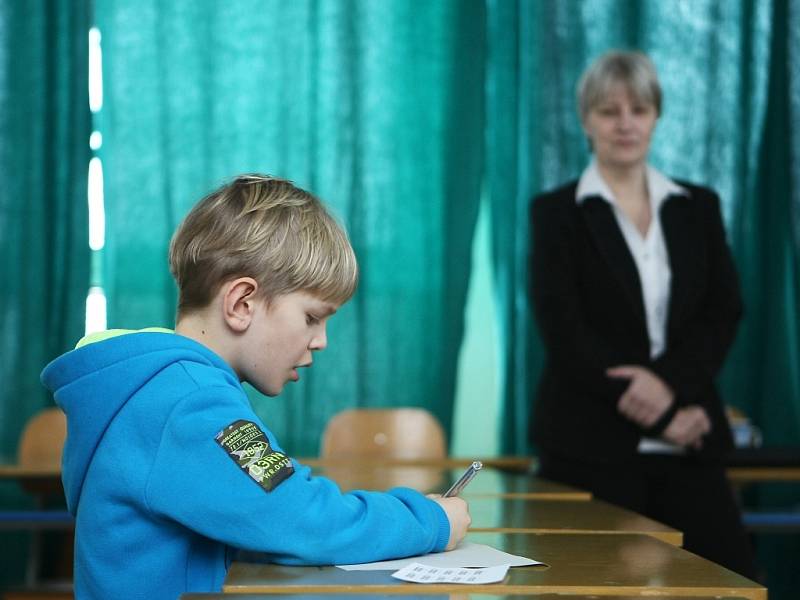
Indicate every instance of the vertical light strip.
{"type": "Point", "coordinates": [95, 310]}
{"type": "Point", "coordinates": [95, 71]}
{"type": "Point", "coordinates": [96, 316]}
{"type": "Point", "coordinates": [97, 213]}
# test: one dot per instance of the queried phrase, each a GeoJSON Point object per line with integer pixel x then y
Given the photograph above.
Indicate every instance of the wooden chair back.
{"type": "Point", "coordinates": [383, 433]}
{"type": "Point", "coordinates": [39, 451]}
{"type": "Point", "coordinates": [42, 440]}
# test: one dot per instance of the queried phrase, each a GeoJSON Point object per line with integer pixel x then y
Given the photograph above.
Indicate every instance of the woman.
{"type": "Point", "coordinates": [637, 301]}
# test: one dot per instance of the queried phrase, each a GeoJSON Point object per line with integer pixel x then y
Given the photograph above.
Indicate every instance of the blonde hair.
{"type": "Point", "coordinates": [265, 228]}
{"type": "Point", "coordinates": [633, 69]}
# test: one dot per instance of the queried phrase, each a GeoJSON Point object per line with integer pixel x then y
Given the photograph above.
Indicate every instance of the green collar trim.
{"type": "Point", "coordinates": [100, 336]}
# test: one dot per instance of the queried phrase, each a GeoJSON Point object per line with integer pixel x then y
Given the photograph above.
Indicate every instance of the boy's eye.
{"type": "Point", "coordinates": [311, 320]}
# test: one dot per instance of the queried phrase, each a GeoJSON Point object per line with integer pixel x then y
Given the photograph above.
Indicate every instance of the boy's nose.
{"type": "Point", "coordinates": [319, 341]}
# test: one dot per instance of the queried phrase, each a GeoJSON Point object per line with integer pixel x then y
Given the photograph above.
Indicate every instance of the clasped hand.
{"type": "Point", "coordinates": [648, 396]}
{"type": "Point", "coordinates": [688, 427]}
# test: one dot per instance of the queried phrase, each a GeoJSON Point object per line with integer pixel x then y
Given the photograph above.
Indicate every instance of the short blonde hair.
{"type": "Point", "coordinates": [633, 69]}
{"type": "Point", "coordinates": [265, 228]}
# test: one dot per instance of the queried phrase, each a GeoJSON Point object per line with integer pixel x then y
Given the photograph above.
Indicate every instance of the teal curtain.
{"type": "Point", "coordinates": [763, 372]}
{"type": "Point", "coordinates": [44, 156]}
{"type": "Point", "coordinates": [375, 106]}
{"type": "Point", "coordinates": [731, 78]}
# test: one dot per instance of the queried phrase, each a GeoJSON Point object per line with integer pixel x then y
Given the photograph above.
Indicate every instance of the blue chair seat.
{"type": "Point", "coordinates": [778, 521]}
{"type": "Point", "coordinates": [36, 519]}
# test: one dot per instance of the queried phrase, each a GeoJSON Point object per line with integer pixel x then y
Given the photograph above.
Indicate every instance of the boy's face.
{"type": "Point", "coordinates": [281, 338]}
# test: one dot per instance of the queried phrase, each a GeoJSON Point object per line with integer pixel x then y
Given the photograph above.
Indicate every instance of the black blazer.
{"type": "Point", "coordinates": [588, 304]}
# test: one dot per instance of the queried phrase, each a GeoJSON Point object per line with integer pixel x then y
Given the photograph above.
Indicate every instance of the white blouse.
{"type": "Point", "coordinates": [649, 251]}
{"type": "Point", "coordinates": [652, 261]}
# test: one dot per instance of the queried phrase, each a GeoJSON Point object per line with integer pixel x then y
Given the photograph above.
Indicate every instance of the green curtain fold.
{"type": "Point", "coordinates": [375, 106]}
{"type": "Point", "coordinates": [763, 372]}
{"type": "Point", "coordinates": [44, 157]}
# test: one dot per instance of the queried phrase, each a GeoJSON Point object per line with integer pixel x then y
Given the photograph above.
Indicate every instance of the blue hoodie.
{"type": "Point", "coordinates": [168, 471]}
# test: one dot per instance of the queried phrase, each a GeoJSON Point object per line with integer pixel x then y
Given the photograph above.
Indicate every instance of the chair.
{"type": "Point", "coordinates": [745, 434]}
{"type": "Point", "coordinates": [39, 449]}
{"type": "Point", "coordinates": [392, 435]}
{"type": "Point", "coordinates": [383, 433]}
{"type": "Point", "coordinates": [42, 440]}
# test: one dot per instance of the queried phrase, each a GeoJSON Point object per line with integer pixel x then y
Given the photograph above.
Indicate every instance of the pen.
{"type": "Point", "coordinates": [462, 482]}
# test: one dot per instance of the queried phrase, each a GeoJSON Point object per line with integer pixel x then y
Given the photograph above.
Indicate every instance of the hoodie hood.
{"type": "Point", "coordinates": [93, 382]}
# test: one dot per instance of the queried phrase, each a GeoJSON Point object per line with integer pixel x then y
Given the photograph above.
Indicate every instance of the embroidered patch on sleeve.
{"type": "Point", "coordinates": [249, 448]}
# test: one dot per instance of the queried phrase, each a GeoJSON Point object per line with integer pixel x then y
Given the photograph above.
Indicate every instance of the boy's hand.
{"type": "Point", "coordinates": [457, 513]}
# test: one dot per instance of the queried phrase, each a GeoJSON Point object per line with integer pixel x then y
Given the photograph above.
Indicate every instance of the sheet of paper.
{"type": "Point", "coordinates": [467, 554]}
{"type": "Point", "coordinates": [419, 573]}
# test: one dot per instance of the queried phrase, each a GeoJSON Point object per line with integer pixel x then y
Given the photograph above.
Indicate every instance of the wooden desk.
{"type": "Point", "coordinates": [516, 464]}
{"type": "Point", "coordinates": [530, 487]}
{"type": "Point", "coordinates": [465, 595]}
{"type": "Point", "coordinates": [42, 482]}
{"type": "Point", "coordinates": [35, 480]}
{"type": "Point", "coordinates": [748, 466]}
{"type": "Point", "coordinates": [757, 465]}
{"type": "Point", "coordinates": [512, 515]}
{"type": "Point", "coordinates": [744, 475]}
{"type": "Point", "coordinates": [603, 565]}
{"type": "Point", "coordinates": [14, 471]}
{"type": "Point", "coordinates": [431, 479]}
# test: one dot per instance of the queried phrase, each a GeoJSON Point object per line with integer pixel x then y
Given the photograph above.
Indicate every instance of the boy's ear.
{"type": "Point", "coordinates": [239, 303]}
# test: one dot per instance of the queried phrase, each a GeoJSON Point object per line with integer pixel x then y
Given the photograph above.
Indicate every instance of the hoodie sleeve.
{"type": "Point", "coordinates": [218, 471]}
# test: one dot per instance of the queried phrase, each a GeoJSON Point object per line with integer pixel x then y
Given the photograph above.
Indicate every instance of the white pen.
{"type": "Point", "coordinates": [462, 482]}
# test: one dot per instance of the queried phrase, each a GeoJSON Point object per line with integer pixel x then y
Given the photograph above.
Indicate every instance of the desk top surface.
{"type": "Point", "coordinates": [35, 479]}
{"type": "Point", "coordinates": [517, 464]}
{"type": "Point", "coordinates": [417, 593]}
{"type": "Point", "coordinates": [513, 515]}
{"type": "Point", "coordinates": [432, 479]}
{"type": "Point", "coordinates": [576, 564]}
{"type": "Point", "coordinates": [10, 471]}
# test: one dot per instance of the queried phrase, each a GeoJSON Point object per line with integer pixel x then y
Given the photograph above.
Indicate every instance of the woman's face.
{"type": "Point", "coordinates": [620, 127]}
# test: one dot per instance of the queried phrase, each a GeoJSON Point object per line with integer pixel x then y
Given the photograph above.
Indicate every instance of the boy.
{"type": "Point", "coordinates": [167, 468]}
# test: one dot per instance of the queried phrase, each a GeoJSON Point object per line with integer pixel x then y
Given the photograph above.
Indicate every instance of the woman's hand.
{"type": "Point", "coordinates": [647, 395]}
{"type": "Point", "coordinates": [688, 427]}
